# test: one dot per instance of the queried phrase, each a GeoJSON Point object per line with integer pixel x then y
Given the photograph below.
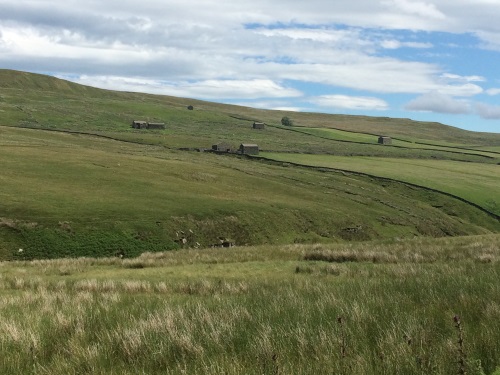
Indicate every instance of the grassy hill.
{"type": "Point", "coordinates": [43, 101]}
{"type": "Point", "coordinates": [77, 180]}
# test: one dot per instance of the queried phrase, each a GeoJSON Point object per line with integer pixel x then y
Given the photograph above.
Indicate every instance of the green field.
{"type": "Point", "coordinates": [75, 194]}
{"type": "Point", "coordinates": [349, 136]}
{"type": "Point", "coordinates": [475, 182]}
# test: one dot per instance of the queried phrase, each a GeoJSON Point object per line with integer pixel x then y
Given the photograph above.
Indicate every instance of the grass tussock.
{"type": "Point", "coordinates": [416, 251]}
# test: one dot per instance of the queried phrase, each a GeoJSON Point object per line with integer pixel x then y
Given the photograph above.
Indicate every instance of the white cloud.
{"type": "Point", "coordinates": [271, 104]}
{"type": "Point", "coordinates": [288, 109]}
{"type": "Point", "coordinates": [489, 112]}
{"type": "Point", "coordinates": [350, 102]}
{"type": "Point", "coordinates": [243, 89]}
{"type": "Point", "coordinates": [490, 40]}
{"type": "Point", "coordinates": [467, 89]}
{"type": "Point", "coordinates": [439, 103]}
{"type": "Point", "coordinates": [448, 77]}
{"type": "Point", "coordinates": [206, 40]}
{"type": "Point", "coordinates": [493, 92]}
{"type": "Point", "coordinates": [318, 35]}
{"type": "Point", "coordinates": [395, 44]}
{"type": "Point", "coordinates": [418, 8]}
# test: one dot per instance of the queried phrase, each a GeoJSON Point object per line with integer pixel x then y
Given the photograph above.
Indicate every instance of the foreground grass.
{"type": "Point", "coordinates": [366, 308]}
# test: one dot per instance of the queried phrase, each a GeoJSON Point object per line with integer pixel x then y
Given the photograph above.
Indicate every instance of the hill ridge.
{"type": "Point", "coordinates": [395, 127]}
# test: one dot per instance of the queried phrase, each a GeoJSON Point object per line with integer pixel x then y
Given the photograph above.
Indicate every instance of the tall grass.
{"type": "Point", "coordinates": [392, 315]}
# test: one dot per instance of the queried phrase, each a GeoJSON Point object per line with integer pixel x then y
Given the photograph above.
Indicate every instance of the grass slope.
{"type": "Point", "coordinates": [66, 194]}
{"type": "Point", "coordinates": [37, 100]}
{"type": "Point", "coordinates": [476, 182]}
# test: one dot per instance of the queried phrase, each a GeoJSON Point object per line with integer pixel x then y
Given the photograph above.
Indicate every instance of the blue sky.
{"type": "Point", "coordinates": [424, 60]}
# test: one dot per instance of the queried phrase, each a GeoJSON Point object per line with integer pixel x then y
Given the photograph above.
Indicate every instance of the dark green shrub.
{"type": "Point", "coordinates": [286, 121]}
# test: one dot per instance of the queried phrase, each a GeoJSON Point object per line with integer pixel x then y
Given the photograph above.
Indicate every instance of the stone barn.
{"type": "Point", "coordinates": [139, 124]}
{"type": "Point", "coordinates": [156, 125]}
{"type": "Point", "coordinates": [259, 125]}
{"type": "Point", "coordinates": [249, 149]}
{"type": "Point", "coordinates": [222, 147]}
{"type": "Point", "coordinates": [384, 140]}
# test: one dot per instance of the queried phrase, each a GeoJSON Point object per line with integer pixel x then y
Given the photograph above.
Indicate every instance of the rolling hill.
{"type": "Point", "coordinates": [77, 180]}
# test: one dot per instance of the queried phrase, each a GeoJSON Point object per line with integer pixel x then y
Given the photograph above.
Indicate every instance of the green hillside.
{"type": "Point", "coordinates": [77, 180]}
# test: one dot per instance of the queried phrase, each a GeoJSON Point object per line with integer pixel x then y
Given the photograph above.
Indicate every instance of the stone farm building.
{"type": "Point", "coordinates": [383, 140]}
{"type": "Point", "coordinates": [156, 125]}
{"type": "Point", "coordinates": [249, 149]}
{"type": "Point", "coordinates": [222, 147]}
{"type": "Point", "coordinates": [259, 125]}
{"type": "Point", "coordinates": [147, 125]}
{"type": "Point", "coordinates": [139, 124]}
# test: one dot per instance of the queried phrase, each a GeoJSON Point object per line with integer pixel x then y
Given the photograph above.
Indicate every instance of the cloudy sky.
{"type": "Point", "coordinates": [426, 60]}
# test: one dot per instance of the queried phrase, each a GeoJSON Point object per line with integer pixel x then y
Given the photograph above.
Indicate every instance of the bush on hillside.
{"type": "Point", "coordinates": [286, 121]}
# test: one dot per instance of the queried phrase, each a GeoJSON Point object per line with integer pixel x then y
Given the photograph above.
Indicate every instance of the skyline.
{"type": "Point", "coordinates": [424, 60]}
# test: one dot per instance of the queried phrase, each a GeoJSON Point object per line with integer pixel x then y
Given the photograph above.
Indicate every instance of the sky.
{"type": "Point", "coordinates": [424, 60]}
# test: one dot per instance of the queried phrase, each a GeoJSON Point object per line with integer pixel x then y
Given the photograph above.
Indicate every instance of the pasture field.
{"type": "Point", "coordinates": [475, 182]}
{"type": "Point", "coordinates": [419, 306]}
{"type": "Point", "coordinates": [77, 195]}
{"type": "Point", "coordinates": [349, 136]}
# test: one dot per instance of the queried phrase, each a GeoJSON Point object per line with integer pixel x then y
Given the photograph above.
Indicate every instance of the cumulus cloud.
{"type": "Point", "coordinates": [449, 77]}
{"type": "Point", "coordinates": [468, 89]}
{"type": "Point", "coordinates": [395, 44]}
{"type": "Point", "coordinates": [419, 8]}
{"type": "Point", "coordinates": [275, 104]}
{"type": "Point", "coordinates": [439, 103]}
{"type": "Point", "coordinates": [221, 89]}
{"type": "Point", "coordinates": [489, 112]}
{"type": "Point", "coordinates": [350, 102]}
{"type": "Point", "coordinates": [493, 92]}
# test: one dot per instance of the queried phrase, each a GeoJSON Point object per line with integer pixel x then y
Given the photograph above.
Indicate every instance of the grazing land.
{"type": "Point", "coordinates": [477, 182]}
{"type": "Point", "coordinates": [79, 195]}
{"type": "Point", "coordinates": [349, 257]}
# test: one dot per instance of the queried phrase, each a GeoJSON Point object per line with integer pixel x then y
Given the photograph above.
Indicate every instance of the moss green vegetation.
{"type": "Point", "coordinates": [358, 308]}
